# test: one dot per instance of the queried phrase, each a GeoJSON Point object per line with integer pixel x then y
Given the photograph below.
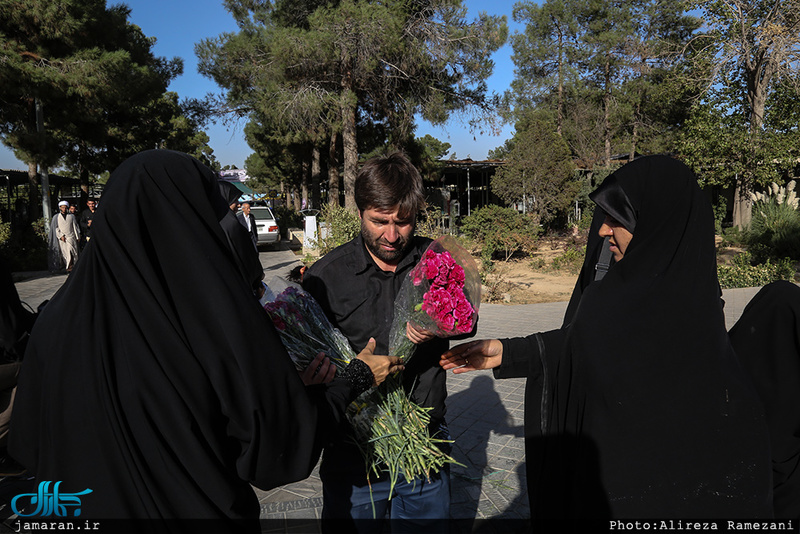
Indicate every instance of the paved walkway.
{"type": "Point", "coordinates": [485, 417]}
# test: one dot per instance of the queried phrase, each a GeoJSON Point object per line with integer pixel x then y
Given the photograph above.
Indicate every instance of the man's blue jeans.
{"type": "Point", "coordinates": [349, 506]}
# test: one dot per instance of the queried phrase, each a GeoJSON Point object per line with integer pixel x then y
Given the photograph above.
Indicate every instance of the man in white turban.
{"type": "Point", "coordinates": [64, 228]}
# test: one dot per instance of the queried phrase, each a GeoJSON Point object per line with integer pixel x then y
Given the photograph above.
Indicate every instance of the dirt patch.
{"type": "Point", "coordinates": [530, 286]}
{"type": "Point", "coordinates": [531, 280]}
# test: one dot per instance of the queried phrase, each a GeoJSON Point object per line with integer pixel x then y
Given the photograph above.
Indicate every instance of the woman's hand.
{"type": "Point", "coordinates": [418, 335]}
{"type": "Point", "coordinates": [472, 356]}
{"type": "Point", "coordinates": [381, 366]}
{"type": "Point", "coordinates": [319, 371]}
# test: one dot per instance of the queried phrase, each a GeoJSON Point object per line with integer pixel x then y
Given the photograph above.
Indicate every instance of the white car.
{"type": "Point", "coordinates": [267, 226]}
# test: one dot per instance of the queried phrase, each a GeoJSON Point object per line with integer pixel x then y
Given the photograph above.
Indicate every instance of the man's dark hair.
{"type": "Point", "coordinates": [388, 181]}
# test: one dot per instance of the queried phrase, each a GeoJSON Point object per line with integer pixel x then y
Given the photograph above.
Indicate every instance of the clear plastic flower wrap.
{"type": "Point", "coordinates": [303, 327]}
{"type": "Point", "coordinates": [390, 430]}
{"type": "Point", "coordinates": [441, 294]}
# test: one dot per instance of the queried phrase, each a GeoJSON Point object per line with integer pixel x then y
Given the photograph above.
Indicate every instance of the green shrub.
{"type": "Point", "coordinates": [571, 260]}
{"type": "Point", "coordinates": [41, 227]}
{"type": "Point", "coordinates": [501, 232]}
{"type": "Point", "coordinates": [430, 222]}
{"type": "Point", "coordinates": [26, 248]}
{"type": "Point", "coordinates": [720, 212]}
{"type": "Point", "coordinates": [776, 225]}
{"type": "Point", "coordinates": [288, 218]}
{"type": "Point", "coordinates": [743, 274]}
{"type": "Point", "coordinates": [5, 233]}
{"type": "Point", "coordinates": [341, 225]}
{"type": "Point", "coordinates": [537, 264]}
{"type": "Point", "coordinates": [733, 237]}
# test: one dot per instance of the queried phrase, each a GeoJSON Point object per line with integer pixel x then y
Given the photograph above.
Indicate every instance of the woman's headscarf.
{"type": "Point", "coordinates": [153, 377]}
{"type": "Point", "coordinates": [652, 409]}
{"type": "Point", "coordinates": [767, 341]}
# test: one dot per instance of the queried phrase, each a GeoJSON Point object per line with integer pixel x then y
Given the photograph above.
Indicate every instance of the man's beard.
{"type": "Point", "coordinates": [389, 256]}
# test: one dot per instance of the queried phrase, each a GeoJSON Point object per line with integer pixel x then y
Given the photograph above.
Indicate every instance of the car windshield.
{"type": "Point", "coordinates": [262, 213]}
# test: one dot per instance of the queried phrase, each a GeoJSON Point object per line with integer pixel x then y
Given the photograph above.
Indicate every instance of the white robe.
{"type": "Point", "coordinates": [66, 227]}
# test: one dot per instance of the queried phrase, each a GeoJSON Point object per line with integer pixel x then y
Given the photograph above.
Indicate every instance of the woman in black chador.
{"type": "Point", "coordinates": [155, 379]}
{"type": "Point", "coordinates": [767, 340]}
{"type": "Point", "coordinates": [637, 407]}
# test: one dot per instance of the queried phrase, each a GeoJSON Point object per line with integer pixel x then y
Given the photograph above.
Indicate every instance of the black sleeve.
{"type": "Point", "coordinates": [531, 356]}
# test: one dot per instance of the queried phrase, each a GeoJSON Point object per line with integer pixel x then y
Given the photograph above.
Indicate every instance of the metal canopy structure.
{"type": "Point", "coordinates": [468, 183]}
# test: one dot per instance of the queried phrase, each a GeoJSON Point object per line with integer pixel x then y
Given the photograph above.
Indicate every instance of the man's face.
{"type": "Point", "coordinates": [91, 204]}
{"type": "Point", "coordinates": [246, 209]}
{"type": "Point", "coordinates": [73, 209]}
{"type": "Point", "coordinates": [386, 235]}
{"type": "Point", "coordinates": [63, 210]}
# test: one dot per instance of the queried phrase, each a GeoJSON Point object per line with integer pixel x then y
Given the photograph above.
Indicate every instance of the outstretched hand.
{"type": "Point", "coordinates": [381, 366]}
{"type": "Point", "coordinates": [473, 356]}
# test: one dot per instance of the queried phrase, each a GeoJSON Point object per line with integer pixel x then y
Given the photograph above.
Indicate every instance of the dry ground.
{"type": "Point", "coordinates": [520, 283]}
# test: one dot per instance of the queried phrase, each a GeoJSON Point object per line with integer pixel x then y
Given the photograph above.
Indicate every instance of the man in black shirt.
{"type": "Point", "coordinates": [356, 285]}
{"type": "Point", "coordinates": [86, 221]}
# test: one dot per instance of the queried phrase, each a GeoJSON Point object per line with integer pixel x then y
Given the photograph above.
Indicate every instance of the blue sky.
{"type": "Point", "coordinates": [178, 24]}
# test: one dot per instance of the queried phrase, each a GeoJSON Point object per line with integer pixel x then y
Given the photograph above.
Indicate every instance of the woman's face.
{"type": "Point", "coordinates": [619, 236]}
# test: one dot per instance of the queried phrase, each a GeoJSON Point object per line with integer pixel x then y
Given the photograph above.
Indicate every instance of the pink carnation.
{"type": "Point", "coordinates": [278, 322]}
{"type": "Point", "coordinates": [457, 275]}
{"type": "Point", "coordinates": [447, 322]}
{"type": "Point", "coordinates": [431, 263]}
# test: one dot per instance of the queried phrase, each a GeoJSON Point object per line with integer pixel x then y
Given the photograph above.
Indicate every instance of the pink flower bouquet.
{"type": "Point", "coordinates": [441, 294]}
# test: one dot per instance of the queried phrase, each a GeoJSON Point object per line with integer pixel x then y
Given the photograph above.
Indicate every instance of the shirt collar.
{"type": "Point", "coordinates": [363, 261]}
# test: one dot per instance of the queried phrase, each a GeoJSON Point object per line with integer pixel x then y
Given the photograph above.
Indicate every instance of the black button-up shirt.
{"type": "Point", "coordinates": [358, 297]}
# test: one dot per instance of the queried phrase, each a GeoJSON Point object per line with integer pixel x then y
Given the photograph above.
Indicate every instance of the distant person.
{"type": "Point", "coordinates": [65, 232]}
{"type": "Point", "coordinates": [239, 241]}
{"type": "Point", "coordinates": [86, 221]}
{"type": "Point", "coordinates": [73, 209]}
{"type": "Point", "coordinates": [179, 395]}
{"type": "Point", "coordinates": [230, 194]}
{"type": "Point", "coordinates": [248, 220]}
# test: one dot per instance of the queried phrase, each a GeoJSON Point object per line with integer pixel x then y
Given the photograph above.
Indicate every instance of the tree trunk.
{"type": "Point", "coordinates": [33, 191]}
{"type": "Point", "coordinates": [560, 106]}
{"type": "Point", "coordinates": [757, 82]}
{"type": "Point", "coordinates": [635, 132]}
{"type": "Point", "coordinates": [742, 205]}
{"type": "Point", "coordinates": [607, 114]}
{"type": "Point", "coordinates": [350, 152]}
{"type": "Point", "coordinates": [306, 171]}
{"type": "Point", "coordinates": [287, 196]}
{"type": "Point", "coordinates": [333, 171]}
{"type": "Point", "coordinates": [296, 197]}
{"type": "Point", "coordinates": [316, 176]}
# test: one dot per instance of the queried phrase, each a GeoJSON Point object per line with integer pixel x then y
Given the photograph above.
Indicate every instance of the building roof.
{"type": "Point", "coordinates": [21, 178]}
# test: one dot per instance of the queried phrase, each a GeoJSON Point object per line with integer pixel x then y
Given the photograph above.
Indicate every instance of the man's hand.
{"type": "Point", "coordinates": [381, 366]}
{"type": "Point", "coordinates": [418, 335]}
{"type": "Point", "coordinates": [319, 371]}
{"type": "Point", "coordinates": [481, 354]}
